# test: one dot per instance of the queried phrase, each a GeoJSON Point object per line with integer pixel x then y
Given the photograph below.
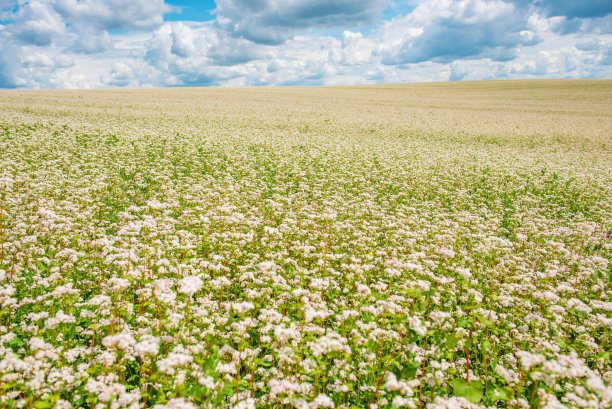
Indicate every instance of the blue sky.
{"type": "Point", "coordinates": [192, 10]}
{"type": "Point", "coordinates": [156, 43]}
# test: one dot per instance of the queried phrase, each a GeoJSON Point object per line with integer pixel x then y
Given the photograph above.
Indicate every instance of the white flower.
{"type": "Point", "coordinates": [416, 325]}
{"type": "Point", "coordinates": [60, 318]}
{"type": "Point", "coordinates": [392, 384]}
{"type": "Point", "coordinates": [156, 204]}
{"type": "Point", "coordinates": [322, 401]}
{"type": "Point", "coordinates": [332, 342]}
{"type": "Point", "coordinates": [578, 305]}
{"type": "Point", "coordinates": [464, 272]}
{"type": "Point", "coordinates": [176, 403]}
{"type": "Point", "coordinates": [62, 404]}
{"type": "Point", "coordinates": [111, 391]}
{"type": "Point", "coordinates": [166, 365]}
{"type": "Point", "coordinates": [451, 402]}
{"type": "Point", "coordinates": [248, 403]}
{"type": "Point", "coordinates": [399, 401]}
{"type": "Point", "coordinates": [241, 307]}
{"type": "Point", "coordinates": [229, 368]}
{"type": "Point", "coordinates": [508, 375]}
{"type": "Point", "coordinates": [122, 341]}
{"type": "Point", "coordinates": [207, 381]}
{"type": "Point", "coordinates": [190, 285]}
{"type": "Point", "coordinates": [363, 290]}
{"type": "Point", "coordinates": [147, 345]}
{"type": "Point", "coordinates": [311, 314]}
{"type": "Point", "coordinates": [423, 285]}
{"type": "Point", "coordinates": [280, 386]}
{"type": "Point", "coordinates": [163, 291]}
{"type": "Point", "coordinates": [529, 359]}
{"type": "Point", "coordinates": [12, 362]}
{"type": "Point", "coordinates": [118, 284]}
{"type": "Point", "coordinates": [46, 214]}
{"type": "Point", "coordinates": [266, 266]}
{"type": "Point", "coordinates": [449, 253]}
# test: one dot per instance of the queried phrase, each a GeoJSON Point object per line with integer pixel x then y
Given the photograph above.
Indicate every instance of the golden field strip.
{"type": "Point", "coordinates": [441, 245]}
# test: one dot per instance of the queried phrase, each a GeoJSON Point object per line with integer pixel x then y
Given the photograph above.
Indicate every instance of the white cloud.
{"type": "Point", "coordinates": [569, 8]}
{"type": "Point", "coordinates": [9, 64]}
{"type": "Point", "coordinates": [113, 14]}
{"type": "Point", "coordinates": [36, 23]}
{"type": "Point", "coordinates": [36, 58]}
{"type": "Point", "coordinates": [447, 30]}
{"type": "Point", "coordinates": [43, 38]}
{"type": "Point", "coordinates": [121, 75]}
{"type": "Point", "coordinates": [356, 49]}
{"type": "Point", "coordinates": [273, 22]}
{"type": "Point", "coordinates": [90, 41]}
{"type": "Point", "coordinates": [67, 43]}
{"type": "Point", "coordinates": [204, 54]}
{"type": "Point", "coordinates": [183, 41]}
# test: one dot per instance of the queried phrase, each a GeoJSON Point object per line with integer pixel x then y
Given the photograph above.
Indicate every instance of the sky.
{"type": "Point", "coordinates": [155, 43]}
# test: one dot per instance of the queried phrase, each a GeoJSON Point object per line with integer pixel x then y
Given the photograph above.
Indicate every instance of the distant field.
{"type": "Point", "coordinates": [443, 245]}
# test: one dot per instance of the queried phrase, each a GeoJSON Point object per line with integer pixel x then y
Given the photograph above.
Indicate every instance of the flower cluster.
{"type": "Point", "coordinates": [199, 252]}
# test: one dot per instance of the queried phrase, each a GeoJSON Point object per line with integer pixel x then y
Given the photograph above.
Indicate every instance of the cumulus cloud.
{"type": "Point", "coordinates": [207, 56]}
{"type": "Point", "coordinates": [36, 23]}
{"type": "Point", "coordinates": [274, 22]}
{"type": "Point", "coordinates": [80, 25]}
{"type": "Point", "coordinates": [33, 67]}
{"type": "Point", "coordinates": [9, 65]}
{"type": "Point", "coordinates": [112, 43]}
{"type": "Point", "coordinates": [121, 75]}
{"type": "Point", "coordinates": [600, 50]}
{"type": "Point", "coordinates": [40, 38]}
{"type": "Point", "coordinates": [186, 55]}
{"type": "Point", "coordinates": [183, 41]}
{"type": "Point", "coordinates": [571, 16]}
{"type": "Point", "coordinates": [91, 41]}
{"type": "Point", "coordinates": [444, 31]}
{"type": "Point", "coordinates": [90, 20]}
{"type": "Point", "coordinates": [113, 14]}
{"type": "Point", "coordinates": [356, 49]}
{"type": "Point", "coordinates": [569, 8]}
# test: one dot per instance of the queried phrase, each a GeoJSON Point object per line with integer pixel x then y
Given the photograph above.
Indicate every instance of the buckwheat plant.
{"type": "Point", "coordinates": [426, 246]}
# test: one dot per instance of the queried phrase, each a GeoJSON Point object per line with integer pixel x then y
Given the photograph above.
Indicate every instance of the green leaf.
{"type": "Point", "coordinates": [484, 321]}
{"type": "Point", "coordinates": [451, 341]}
{"type": "Point", "coordinates": [413, 293]}
{"type": "Point", "coordinates": [210, 364]}
{"type": "Point", "coordinates": [228, 389]}
{"type": "Point", "coordinates": [16, 343]}
{"type": "Point", "coordinates": [499, 394]}
{"type": "Point", "coordinates": [472, 391]}
{"type": "Point", "coordinates": [42, 404]}
{"type": "Point", "coordinates": [467, 343]}
{"type": "Point", "coordinates": [407, 370]}
{"type": "Point", "coordinates": [561, 342]}
{"type": "Point", "coordinates": [8, 385]}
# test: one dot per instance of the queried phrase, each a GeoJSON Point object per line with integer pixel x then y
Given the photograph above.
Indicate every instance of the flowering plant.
{"type": "Point", "coordinates": [227, 259]}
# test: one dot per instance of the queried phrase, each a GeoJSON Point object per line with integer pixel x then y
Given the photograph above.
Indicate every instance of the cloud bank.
{"type": "Point", "coordinates": [112, 43]}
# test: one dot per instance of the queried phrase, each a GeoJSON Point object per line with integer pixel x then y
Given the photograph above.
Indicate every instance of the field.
{"type": "Point", "coordinates": [436, 246]}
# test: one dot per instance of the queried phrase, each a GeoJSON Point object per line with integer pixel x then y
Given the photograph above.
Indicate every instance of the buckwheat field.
{"type": "Point", "coordinates": [420, 246]}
